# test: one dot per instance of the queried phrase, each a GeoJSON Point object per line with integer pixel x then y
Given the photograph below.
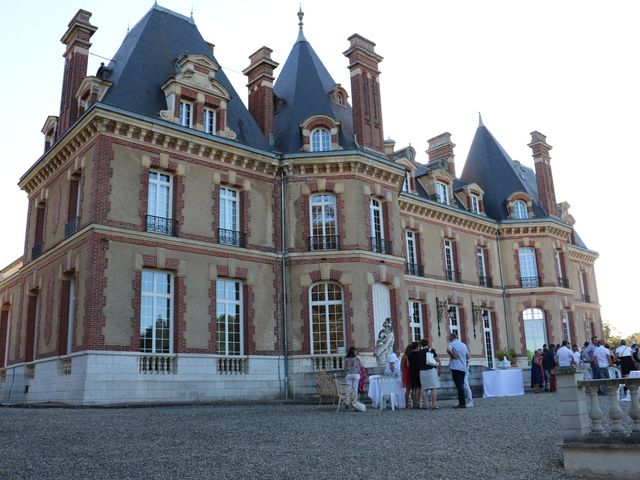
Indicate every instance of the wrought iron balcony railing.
{"type": "Point", "coordinates": [586, 298]}
{"type": "Point", "coordinates": [529, 282]}
{"type": "Point", "coordinates": [563, 282]}
{"type": "Point", "coordinates": [414, 269]}
{"type": "Point", "coordinates": [485, 281]}
{"type": "Point", "coordinates": [71, 227]}
{"type": "Point", "coordinates": [324, 242]}
{"type": "Point", "coordinates": [380, 245]}
{"type": "Point", "coordinates": [231, 237]}
{"type": "Point", "coordinates": [165, 226]}
{"type": "Point", "coordinates": [451, 275]}
{"type": "Point", "coordinates": [36, 251]}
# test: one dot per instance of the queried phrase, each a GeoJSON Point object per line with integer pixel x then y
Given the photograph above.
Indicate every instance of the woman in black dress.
{"type": "Point", "coordinates": [414, 374]}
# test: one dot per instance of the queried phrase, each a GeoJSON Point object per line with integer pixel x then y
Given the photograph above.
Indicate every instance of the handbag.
{"type": "Point", "coordinates": [431, 360]}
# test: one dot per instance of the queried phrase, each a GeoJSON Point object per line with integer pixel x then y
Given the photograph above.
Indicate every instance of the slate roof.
{"type": "Point", "coordinates": [303, 90]}
{"type": "Point", "coordinates": [146, 60]}
{"type": "Point", "coordinates": [498, 175]}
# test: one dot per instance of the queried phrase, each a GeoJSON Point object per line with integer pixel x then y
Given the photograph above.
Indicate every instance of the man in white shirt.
{"type": "Point", "coordinates": [565, 355]}
{"type": "Point", "coordinates": [603, 359]}
{"type": "Point", "coordinates": [577, 356]}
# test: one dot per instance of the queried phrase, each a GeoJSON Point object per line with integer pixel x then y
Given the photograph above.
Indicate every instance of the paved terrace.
{"type": "Point", "coordinates": [513, 438]}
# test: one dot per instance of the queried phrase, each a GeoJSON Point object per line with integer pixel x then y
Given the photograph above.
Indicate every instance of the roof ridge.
{"type": "Point", "coordinates": [171, 12]}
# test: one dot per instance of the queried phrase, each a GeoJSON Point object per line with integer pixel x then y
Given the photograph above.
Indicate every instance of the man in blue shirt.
{"type": "Point", "coordinates": [459, 354]}
{"type": "Point", "coordinates": [587, 356]}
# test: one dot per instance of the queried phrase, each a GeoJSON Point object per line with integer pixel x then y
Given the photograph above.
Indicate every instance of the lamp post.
{"type": "Point", "coordinates": [441, 307]}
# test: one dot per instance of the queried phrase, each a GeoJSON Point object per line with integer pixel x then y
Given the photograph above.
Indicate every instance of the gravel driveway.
{"type": "Point", "coordinates": [514, 438]}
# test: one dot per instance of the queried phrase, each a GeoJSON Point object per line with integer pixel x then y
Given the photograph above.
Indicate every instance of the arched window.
{"type": "Point", "coordinates": [520, 211]}
{"type": "Point", "coordinates": [327, 318]}
{"type": "Point", "coordinates": [528, 267]}
{"type": "Point", "coordinates": [324, 227]}
{"type": "Point", "coordinates": [320, 140]}
{"type": "Point", "coordinates": [535, 330]}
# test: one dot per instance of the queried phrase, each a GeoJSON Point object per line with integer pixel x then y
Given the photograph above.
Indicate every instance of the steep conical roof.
{"type": "Point", "coordinates": [303, 90]}
{"type": "Point", "coordinates": [497, 174]}
{"type": "Point", "coordinates": [146, 60]}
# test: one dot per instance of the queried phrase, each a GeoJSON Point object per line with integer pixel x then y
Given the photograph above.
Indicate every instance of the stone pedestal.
{"type": "Point", "coordinates": [574, 412]}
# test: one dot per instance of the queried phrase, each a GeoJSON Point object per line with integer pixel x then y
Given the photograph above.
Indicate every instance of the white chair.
{"type": "Point", "coordinates": [387, 389]}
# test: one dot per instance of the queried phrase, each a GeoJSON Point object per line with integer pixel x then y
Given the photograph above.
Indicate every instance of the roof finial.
{"type": "Point", "coordinates": [480, 124]}
{"type": "Point", "coordinates": [300, 23]}
{"type": "Point", "coordinates": [192, 11]}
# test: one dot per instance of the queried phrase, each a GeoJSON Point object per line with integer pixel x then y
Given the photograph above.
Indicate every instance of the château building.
{"type": "Point", "coordinates": [181, 246]}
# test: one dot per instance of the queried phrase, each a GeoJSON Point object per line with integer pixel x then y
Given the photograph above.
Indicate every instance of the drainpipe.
{"type": "Point", "coordinates": [504, 294]}
{"type": "Point", "coordinates": [284, 285]}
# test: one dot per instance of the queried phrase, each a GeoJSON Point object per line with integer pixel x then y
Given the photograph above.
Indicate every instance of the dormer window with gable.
{"type": "Point", "coordinates": [442, 193]}
{"type": "Point", "coordinates": [195, 99]}
{"type": "Point", "coordinates": [475, 203]}
{"type": "Point", "coordinates": [320, 134]}
{"type": "Point", "coordinates": [519, 206]}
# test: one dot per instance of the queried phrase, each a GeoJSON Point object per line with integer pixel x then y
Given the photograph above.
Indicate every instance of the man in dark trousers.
{"type": "Point", "coordinates": [548, 363]}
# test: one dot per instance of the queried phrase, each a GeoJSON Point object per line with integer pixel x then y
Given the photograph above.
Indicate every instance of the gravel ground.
{"type": "Point", "coordinates": [514, 438]}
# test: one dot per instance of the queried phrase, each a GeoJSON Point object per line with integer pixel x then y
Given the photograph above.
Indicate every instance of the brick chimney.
{"type": "Point", "coordinates": [76, 58]}
{"type": "Point", "coordinates": [260, 77]}
{"type": "Point", "coordinates": [441, 146]}
{"type": "Point", "coordinates": [365, 92]}
{"type": "Point", "coordinates": [544, 176]}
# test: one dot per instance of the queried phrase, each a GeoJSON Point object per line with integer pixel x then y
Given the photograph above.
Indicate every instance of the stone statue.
{"type": "Point", "coordinates": [384, 344]}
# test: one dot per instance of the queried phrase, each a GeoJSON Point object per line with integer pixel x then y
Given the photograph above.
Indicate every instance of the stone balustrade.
{"type": "Point", "coordinates": [328, 362]}
{"type": "Point", "coordinates": [157, 363]}
{"type": "Point", "coordinates": [232, 365]}
{"type": "Point", "coordinates": [593, 445]}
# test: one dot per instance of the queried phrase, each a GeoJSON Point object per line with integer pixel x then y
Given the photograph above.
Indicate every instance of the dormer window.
{"type": "Point", "coordinates": [320, 140]}
{"type": "Point", "coordinates": [442, 193]}
{"type": "Point", "coordinates": [405, 184]}
{"type": "Point", "coordinates": [520, 211]}
{"type": "Point", "coordinates": [475, 204]}
{"type": "Point", "coordinates": [186, 114]}
{"type": "Point", "coordinates": [210, 119]}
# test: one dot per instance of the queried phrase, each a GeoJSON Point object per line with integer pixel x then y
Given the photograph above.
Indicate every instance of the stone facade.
{"type": "Point", "coordinates": [71, 307]}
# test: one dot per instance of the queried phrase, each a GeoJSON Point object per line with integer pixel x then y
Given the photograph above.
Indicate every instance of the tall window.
{"type": "Point", "coordinates": [528, 267]}
{"type": "Point", "coordinates": [454, 320]}
{"type": "Point", "coordinates": [156, 312]}
{"type": "Point", "coordinates": [535, 330]}
{"type": "Point", "coordinates": [210, 119]}
{"type": "Point", "coordinates": [324, 227]}
{"type": "Point", "coordinates": [159, 203]}
{"type": "Point", "coordinates": [320, 140]}
{"type": "Point", "coordinates": [5, 318]}
{"type": "Point", "coordinates": [520, 211]}
{"type": "Point", "coordinates": [415, 320]}
{"type": "Point", "coordinates": [229, 317]}
{"type": "Point", "coordinates": [475, 204]}
{"type": "Point", "coordinates": [566, 331]}
{"type": "Point", "coordinates": [488, 337]}
{"type": "Point", "coordinates": [38, 238]}
{"type": "Point", "coordinates": [73, 208]}
{"type": "Point", "coordinates": [378, 243]}
{"type": "Point", "coordinates": [588, 329]}
{"type": "Point", "coordinates": [482, 268]}
{"type": "Point", "coordinates": [449, 261]}
{"type": "Point", "coordinates": [186, 114]}
{"type": "Point", "coordinates": [561, 280]}
{"type": "Point", "coordinates": [229, 228]}
{"type": "Point", "coordinates": [442, 192]}
{"type": "Point", "coordinates": [582, 276]}
{"type": "Point", "coordinates": [33, 314]}
{"type": "Point", "coordinates": [67, 317]}
{"type": "Point", "coordinates": [327, 318]}
{"type": "Point", "coordinates": [412, 256]}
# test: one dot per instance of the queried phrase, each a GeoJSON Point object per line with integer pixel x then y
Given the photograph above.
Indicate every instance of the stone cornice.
{"type": "Point", "coordinates": [431, 210]}
{"type": "Point", "coordinates": [582, 254]}
{"type": "Point", "coordinates": [542, 227]}
{"type": "Point", "coordinates": [134, 128]}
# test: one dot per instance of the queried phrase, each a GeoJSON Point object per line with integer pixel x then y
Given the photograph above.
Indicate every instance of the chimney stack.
{"type": "Point", "coordinates": [441, 146]}
{"type": "Point", "coordinates": [389, 147]}
{"type": "Point", "coordinates": [260, 84]}
{"type": "Point", "coordinates": [365, 92]}
{"type": "Point", "coordinates": [544, 176]}
{"type": "Point", "coordinates": [76, 59]}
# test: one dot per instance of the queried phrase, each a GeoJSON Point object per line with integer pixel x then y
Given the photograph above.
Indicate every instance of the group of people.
{"type": "Point", "coordinates": [595, 357]}
{"type": "Point", "coordinates": [420, 372]}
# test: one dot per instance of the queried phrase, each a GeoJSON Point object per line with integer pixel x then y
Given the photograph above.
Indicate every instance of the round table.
{"type": "Point", "coordinates": [374, 391]}
{"type": "Point", "coordinates": [502, 383]}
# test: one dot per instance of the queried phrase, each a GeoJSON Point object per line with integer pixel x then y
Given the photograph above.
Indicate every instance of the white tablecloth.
{"type": "Point", "coordinates": [503, 383]}
{"type": "Point", "coordinates": [374, 391]}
